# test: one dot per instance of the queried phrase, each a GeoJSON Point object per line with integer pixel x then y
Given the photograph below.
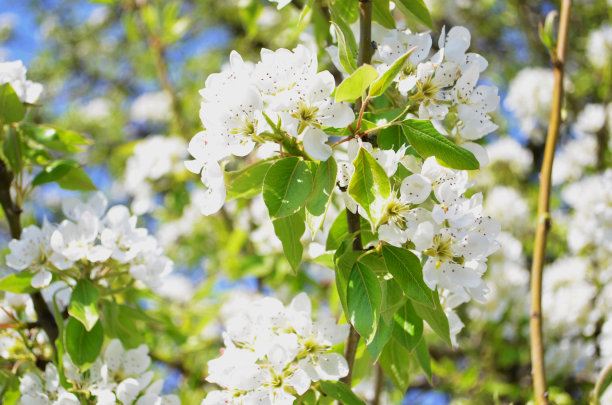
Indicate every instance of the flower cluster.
{"type": "Point", "coordinates": [451, 232]}
{"type": "Point", "coordinates": [443, 83]}
{"type": "Point", "coordinates": [14, 73]}
{"type": "Point", "coordinates": [280, 98]}
{"type": "Point", "coordinates": [274, 353]}
{"type": "Point", "coordinates": [119, 375]}
{"type": "Point", "coordinates": [91, 239]}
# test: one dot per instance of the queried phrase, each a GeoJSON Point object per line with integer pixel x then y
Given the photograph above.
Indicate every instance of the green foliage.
{"type": "Point", "coordinates": [83, 304]}
{"type": "Point", "coordinates": [18, 283]}
{"type": "Point", "coordinates": [436, 318]}
{"type": "Point", "coordinates": [287, 186]}
{"type": "Point", "coordinates": [289, 230]}
{"type": "Point", "coordinates": [119, 322]}
{"type": "Point", "coordinates": [82, 345]}
{"type": "Point", "coordinates": [407, 327]}
{"type": "Point", "coordinates": [322, 191]}
{"type": "Point", "coordinates": [427, 141]}
{"type": "Point", "coordinates": [395, 361]}
{"type": "Point", "coordinates": [247, 182]}
{"type": "Point", "coordinates": [380, 85]}
{"type": "Point", "coordinates": [67, 174]}
{"type": "Point", "coordinates": [416, 8]}
{"type": "Point", "coordinates": [369, 185]}
{"type": "Point", "coordinates": [339, 391]}
{"type": "Point", "coordinates": [364, 299]}
{"type": "Point", "coordinates": [382, 15]}
{"type": "Point", "coordinates": [406, 269]}
{"type": "Point", "coordinates": [356, 84]}
{"type": "Point", "coordinates": [11, 108]}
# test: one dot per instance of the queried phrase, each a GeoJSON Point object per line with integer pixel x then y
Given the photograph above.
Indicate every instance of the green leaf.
{"type": "Point", "coordinates": [11, 108]}
{"type": "Point", "coordinates": [14, 150]}
{"type": "Point", "coordinates": [287, 186]}
{"type": "Point", "coordinates": [83, 303]}
{"type": "Point", "coordinates": [418, 9]}
{"type": "Point", "coordinates": [322, 191]}
{"type": "Point", "coordinates": [406, 269]}
{"type": "Point", "coordinates": [348, 9]}
{"type": "Point", "coordinates": [247, 182]}
{"type": "Point", "coordinates": [54, 171]}
{"type": "Point", "coordinates": [344, 266]}
{"type": "Point", "coordinates": [384, 81]}
{"type": "Point", "coordinates": [435, 317]}
{"type": "Point", "coordinates": [369, 186]}
{"type": "Point", "coordinates": [54, 138]}
{"type": "Point", "coordinates": [392, 137]}
{"type": "Point", "coordinates": [119, 323]}
{"type": "Point", "coordinates": [407, 327]}
{"type": "Point", "coordinates": [421, 354]}
{"type": "Point", "coordinates": [395, 361]}
{"type": "Point", "coordinates": [546, 31]}
{"type": "Point", "coordinates": [382, 15]}
{"type": "Point", "coordinates": [289, 230]}
{"type": "Point", "coordinates": [346, 53]}
{"type": "Point", "coordinates": [356, 84]}
{"type": "Point", "coordinates": [83, 346]}
{"type": "Point", "coordinates": [341, 392]}
{"type": "Point", "coordinates": [76, 179]}
{"type": "Point", "coordinates": [427, 141]}
{"type": "Point", "coordinates": [18, 283]}
{"type": "Point", "coordinates": [363, 299]}
{"type": "Point", "coordinates": [383, 334]}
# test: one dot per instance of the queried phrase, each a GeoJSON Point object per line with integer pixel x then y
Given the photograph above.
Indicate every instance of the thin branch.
{"type": "Point", "coordinates": [353, 219]}
{"type": "Point", "coordinates": [378, 383]}
{"type": "Point", "coordinates": [12, 212]}
{"type": "Point", "coordinates": [543, 218]}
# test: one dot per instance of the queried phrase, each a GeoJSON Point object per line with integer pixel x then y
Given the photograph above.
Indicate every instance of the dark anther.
{"type": "Point", "coordinates": [374, 45]}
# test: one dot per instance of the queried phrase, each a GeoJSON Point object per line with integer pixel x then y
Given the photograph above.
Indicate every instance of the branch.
{"type": "Point", "coordinates": [543, 218]}
{"type": "Point", "coordinates": [354, 221]}
{"type": "Point", "coordinates": [12, 212]}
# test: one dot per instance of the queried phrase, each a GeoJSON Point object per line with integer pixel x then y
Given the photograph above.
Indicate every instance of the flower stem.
{"type": "Point", "coordinates": [543, 218]}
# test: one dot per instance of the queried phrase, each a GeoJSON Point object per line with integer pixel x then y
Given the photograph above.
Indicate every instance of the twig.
{"type": "Point", "coordinates": [543, 218]}
{"type": "Point", "coordinates": [378, 383]}
{"type": "Point", "coordinates": [353, 219]}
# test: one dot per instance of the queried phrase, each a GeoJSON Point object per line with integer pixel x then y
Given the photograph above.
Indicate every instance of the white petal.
{"type": "Point", "coordinates": [315, 144]}
{"type": "Point", "coordinates": [41, 279]}
{"type": "Point", "coordinates": [415, 188]}
{"type": "Point", "coordinates": [332, 366]}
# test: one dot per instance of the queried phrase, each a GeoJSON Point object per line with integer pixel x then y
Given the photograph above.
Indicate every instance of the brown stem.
{"type": "Point", "coordinates": [543, 218]}
{"type": "Point", "coordinates": [378, 383]}
{"type": "Point", "coordinates": [12, 212]}
{"type": "Point", "coordinates": [354, 221]}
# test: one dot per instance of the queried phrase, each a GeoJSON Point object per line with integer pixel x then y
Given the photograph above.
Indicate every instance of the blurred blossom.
{"type": "Point", "coordinates": [599, 47]}
{"type": "Point", "coordinates": [151, 107]}
{"type": "Point", "coordinates": [529, 98]}
{"type": "Point", "coordinates": [511, 154]}
{"type": "Point", "coordinates": [97, 109]}
{"type": "Point", "coordinates": [154, 157]}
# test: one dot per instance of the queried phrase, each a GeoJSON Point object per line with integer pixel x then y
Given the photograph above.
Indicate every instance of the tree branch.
{"type": "Point", "coordinates": [543, 218]}
{"type": "Point", "coordinates": [12, 212]}
{"type": "Point", "coordinates": [353, 219]}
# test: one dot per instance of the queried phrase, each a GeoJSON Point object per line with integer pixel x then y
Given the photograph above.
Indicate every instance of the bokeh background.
{"type": "Point", "coordinates": [126, 73]}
